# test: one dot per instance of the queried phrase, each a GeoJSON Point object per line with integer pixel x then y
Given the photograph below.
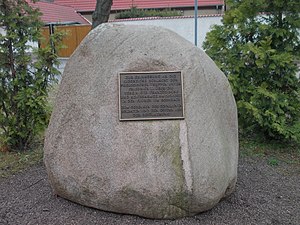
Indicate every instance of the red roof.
{"type": "Point", "coordinates": [89, 5]}
{"type": "Point", "coordinates": [53, 13]}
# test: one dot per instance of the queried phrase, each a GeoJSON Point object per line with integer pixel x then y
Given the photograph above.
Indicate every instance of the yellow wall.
{"type": "Point", "coordinates": [74, 35]}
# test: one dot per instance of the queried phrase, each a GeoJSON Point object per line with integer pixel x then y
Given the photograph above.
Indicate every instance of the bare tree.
{"type": "Point", "coordinates": [101, 13]}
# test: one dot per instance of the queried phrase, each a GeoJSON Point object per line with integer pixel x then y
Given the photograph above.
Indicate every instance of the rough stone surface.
{"type": "Point", "coordinates": [155, 169]}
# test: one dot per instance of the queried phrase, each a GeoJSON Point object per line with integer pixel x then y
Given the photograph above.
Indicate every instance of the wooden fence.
{"type": "Point", "coordinates": [73, 37]}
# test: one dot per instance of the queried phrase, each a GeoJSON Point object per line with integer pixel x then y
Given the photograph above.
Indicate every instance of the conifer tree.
{"type": "Point", "coordinates": [257, 47]}
{"type": "Point", "coordinates": [25, 76]}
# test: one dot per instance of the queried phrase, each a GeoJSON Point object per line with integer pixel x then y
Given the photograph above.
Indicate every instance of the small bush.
{"type": "Point", "coordinates": [139, 13]}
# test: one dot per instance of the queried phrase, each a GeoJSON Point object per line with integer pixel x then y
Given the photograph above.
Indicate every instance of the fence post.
{"type": "Point", "coordinates": [196, 22]}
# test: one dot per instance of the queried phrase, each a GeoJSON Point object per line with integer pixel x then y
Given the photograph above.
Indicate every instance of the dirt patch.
{"type": "Point", "coordinates": [265, 194]}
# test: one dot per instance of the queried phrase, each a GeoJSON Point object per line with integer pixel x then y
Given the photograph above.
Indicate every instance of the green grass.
{"type": "Point", "coordinates": [13, 162]}
{"type": "Point", "coordinates": [273, 151]}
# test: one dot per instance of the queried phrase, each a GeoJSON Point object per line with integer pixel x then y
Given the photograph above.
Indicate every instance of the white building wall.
{"type": "Point", "coordinates": [182, 26]}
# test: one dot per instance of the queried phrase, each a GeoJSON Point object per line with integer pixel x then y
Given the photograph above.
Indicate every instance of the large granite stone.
{"type": "Point", "coordinates": [155, 169]}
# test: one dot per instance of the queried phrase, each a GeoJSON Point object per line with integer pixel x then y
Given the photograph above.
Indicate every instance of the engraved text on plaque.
{"type": "Point", "coordinates": [150, 95]}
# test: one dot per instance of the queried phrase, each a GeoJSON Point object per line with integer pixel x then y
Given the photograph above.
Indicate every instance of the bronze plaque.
{"type": "Point", "coordinates": [150, 95]}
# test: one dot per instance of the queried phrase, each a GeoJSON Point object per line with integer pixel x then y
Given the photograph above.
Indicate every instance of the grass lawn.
{"type": "Point", "coordinates": [274, 152]}
{"type": "Point", "coordinates": [13, 162]}
{"type": "Point", "coordinates": [284, 157]}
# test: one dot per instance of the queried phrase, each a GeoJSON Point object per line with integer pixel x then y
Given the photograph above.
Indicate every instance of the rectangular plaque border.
{"type": "Point", "coordinates": [151, 118]}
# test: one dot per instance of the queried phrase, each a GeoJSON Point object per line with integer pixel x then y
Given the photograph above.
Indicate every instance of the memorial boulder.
{"type": "Point", "coordinates": [144, 123]}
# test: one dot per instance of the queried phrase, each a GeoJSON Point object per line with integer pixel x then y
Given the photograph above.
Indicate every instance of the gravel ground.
{"type": "Point", "coordinates": [264, 195]}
